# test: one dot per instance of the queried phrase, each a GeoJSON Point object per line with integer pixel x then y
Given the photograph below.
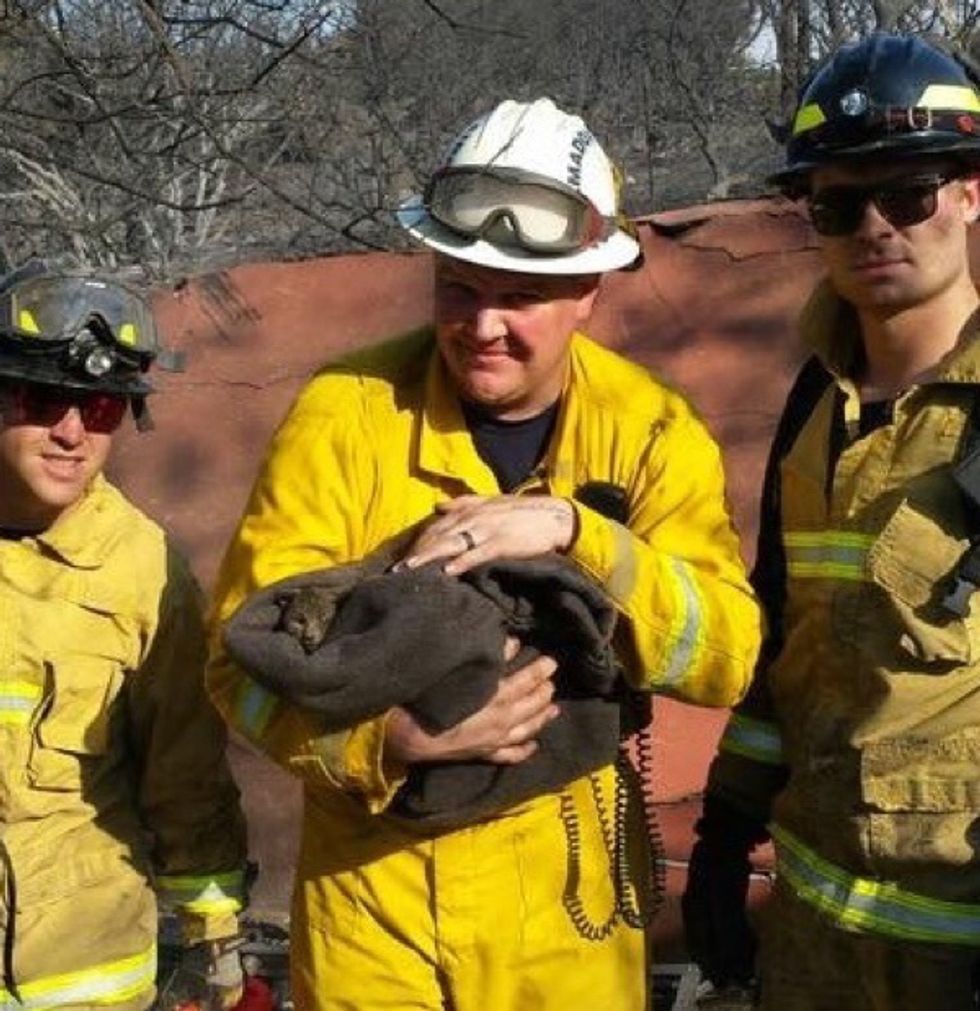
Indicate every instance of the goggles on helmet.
{"type": "Point", "coordinates": [516, 208]}
{"type": "Point", "coordinates": [905, 201]}
{"type": "Point", "coordinates": [61, 309]}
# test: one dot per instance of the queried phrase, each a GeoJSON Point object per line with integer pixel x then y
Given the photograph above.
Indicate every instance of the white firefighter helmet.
{"type": "Point", "coordinates": [525, 187]}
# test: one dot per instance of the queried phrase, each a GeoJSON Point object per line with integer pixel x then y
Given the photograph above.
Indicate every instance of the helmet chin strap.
{"type": "Point", "coordinates": [141, 414]}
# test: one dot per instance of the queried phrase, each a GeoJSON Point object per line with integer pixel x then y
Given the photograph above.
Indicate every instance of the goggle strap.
{"type": "Point", "coordinates": [141, 414]}
{"type": "Point", "coordinates": [171, 360]}
{"type": "Point", "coordinates": [626, 224]}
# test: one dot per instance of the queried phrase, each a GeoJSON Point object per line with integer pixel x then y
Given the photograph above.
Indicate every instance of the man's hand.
{"type": "Point", "coordinates": [473, 529]}
{"type": "Point", "coordinates": [503, 731]}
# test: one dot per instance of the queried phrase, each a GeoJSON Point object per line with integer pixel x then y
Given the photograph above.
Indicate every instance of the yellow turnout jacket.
{"type": "Point", "coordinates": [113, 782]}
{"type": "Point", "coordinates": [871, 703]}
{"type": "Point", "coordinates": [375, 442]}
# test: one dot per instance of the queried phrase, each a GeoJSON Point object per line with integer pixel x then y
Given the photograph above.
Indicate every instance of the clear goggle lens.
{"type": "Point", "coordinates": [514, 210]}
{"type": "Point", "coordinates": [55, 308]}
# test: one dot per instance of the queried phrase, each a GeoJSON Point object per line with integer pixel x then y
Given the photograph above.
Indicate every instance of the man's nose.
{"type": "Point", "coordinates": [489, 324]}
{"type": "Point", "coordinates": [873, 223]}
{"type": "Point", "coordinates": [69, 429]}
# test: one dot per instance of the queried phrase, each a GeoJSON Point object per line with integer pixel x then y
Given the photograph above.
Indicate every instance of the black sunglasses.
{"type": "Point", "coordinates": [839, 210]}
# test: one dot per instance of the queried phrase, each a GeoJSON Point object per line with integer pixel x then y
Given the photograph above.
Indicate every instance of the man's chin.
{"type": "Point", "coordinates": [487, 394]}
{"type": "Point", "coordinates": [883, 297]}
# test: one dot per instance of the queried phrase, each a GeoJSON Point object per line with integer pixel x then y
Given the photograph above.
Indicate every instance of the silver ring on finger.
{"type": "Point", "coordinates": [468, 539]}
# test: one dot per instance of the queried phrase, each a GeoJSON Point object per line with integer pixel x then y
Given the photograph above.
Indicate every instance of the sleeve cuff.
{"type": "Point", "coordinates": [594, 546]}
{"type": "Point", "coordinates": [367, 770]}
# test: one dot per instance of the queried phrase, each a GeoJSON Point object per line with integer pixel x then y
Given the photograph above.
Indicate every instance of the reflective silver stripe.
{"type": "Point", "coordinates": [827, 554]}
{"type": "Point", "coordinates": [622, 578]}
{"type": "Point", "coordinates": [684, 642]}
{"type": "Point", "coordinates": [254, 707]}
{"type": "Point", "coordinates": [206, 893]}
{"type": "Point", "coordinates": [109, 983]}
{"type": "Point", "coordinates": [18, 699]}
{"type": "Point", "coordinates": [876, 907]}
{"type": "Point", "coordinates": [755, 739]}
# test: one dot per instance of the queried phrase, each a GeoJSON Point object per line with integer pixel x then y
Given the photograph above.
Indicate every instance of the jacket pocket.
{"type": "Point", "coordinates": [921, 802]}
{"type": "Point", "coordinates": [916, 774]}
{"type": "Point", "coordinates": [913, 561]}
{"type": "Point", "coordinates": [74, 728]}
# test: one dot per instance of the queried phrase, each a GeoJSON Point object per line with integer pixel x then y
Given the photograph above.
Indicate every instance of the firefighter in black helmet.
{"type": "Point", "coordinates": [116, 790]}
{"type": "Point", "coordinates": [857, 748]}
{"type": "Point", "coordinates": [79, 332]}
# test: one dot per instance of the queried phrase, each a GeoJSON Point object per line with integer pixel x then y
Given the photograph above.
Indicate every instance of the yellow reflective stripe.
{"type": "Point", "coordinates": [204, 893]}
{"type": "Point", "coordinates": [253, 709]}
{"type": "Point", "coordinates": [686, 628]}
{"type": "Point", "coordinates": [808, 117]}
{"type": "Point", "coordinates": [109, 983]}
{"type": "Point", "coordinates": [759, 740]}
{"type": "Point", "coordinates": [876, 907]}
{"type": "Point", "coordinates": [949, 96]}
{"type": "Point", "coordinates": [827, 554]}
{"type": "Point", "coordinates": [17, 701]}
{"type": "Point", "coordinates": [818, 538]}
{"type": "Point", "coordinates": [27, 322]}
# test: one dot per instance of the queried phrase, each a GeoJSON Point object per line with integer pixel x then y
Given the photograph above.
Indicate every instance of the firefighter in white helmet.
{"type": "Point", "coordinates": [487, 428]}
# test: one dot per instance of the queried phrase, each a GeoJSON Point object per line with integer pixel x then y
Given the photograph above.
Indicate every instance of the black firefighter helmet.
{"type": "Point", "coordinates": [78, 331]}
{"type": "Point", "coordinates": [894, 96]}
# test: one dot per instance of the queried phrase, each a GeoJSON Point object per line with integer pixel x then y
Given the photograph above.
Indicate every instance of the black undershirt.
{"type": "Point", "coordinates": [511, 449]}
{"type": "Point", "coordinates": [875, 414]}
{"type": "Point", "coordinates": [12, 534]}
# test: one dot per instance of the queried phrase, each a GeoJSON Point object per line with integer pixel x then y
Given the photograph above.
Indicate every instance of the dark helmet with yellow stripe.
{"type": "Point", "coordinates": [894, 96]}
{"type": "Point", "coordinates": [79, 331]}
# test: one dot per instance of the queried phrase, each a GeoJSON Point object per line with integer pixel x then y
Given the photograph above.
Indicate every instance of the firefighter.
{"type": "Point", "coordinates": [114, 784]}
{"type": "Point", "coordinates": [486, 425]}
{"type": "Point", "coordinates": [857, 748]}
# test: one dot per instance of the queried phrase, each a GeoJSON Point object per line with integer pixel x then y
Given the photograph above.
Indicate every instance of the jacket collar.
{"type": "Point", "coordinates": [445, 446]}
{"type": "Point", "coordinates": [829, 327]}
{"type": "Point", "coordinates": [83, 536]}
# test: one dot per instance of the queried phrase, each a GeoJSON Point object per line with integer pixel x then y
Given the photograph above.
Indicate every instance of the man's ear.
{"type": "Point", "coordinates": [971, 198]}
{"type": "Point", "coordinates": [586, 299]}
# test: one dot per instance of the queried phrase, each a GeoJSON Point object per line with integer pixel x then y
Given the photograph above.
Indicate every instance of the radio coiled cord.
{"type": "Point", "coordinates": [628, 904]}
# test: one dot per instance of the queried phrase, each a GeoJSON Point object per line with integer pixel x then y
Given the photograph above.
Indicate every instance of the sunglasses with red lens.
{"type": "Point", "coordinates": [910, 200]}
{"type": "Point", "coordinates": [34, 404]}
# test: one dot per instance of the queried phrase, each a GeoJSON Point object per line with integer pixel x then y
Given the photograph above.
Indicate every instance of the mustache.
{"type": "Point", "coordinates": [875, 252]}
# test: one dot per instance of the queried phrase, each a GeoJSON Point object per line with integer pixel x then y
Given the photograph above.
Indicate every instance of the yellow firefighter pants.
{"type": "Point", "coordinates": [808, 964]}
{"type": "Point", "coordinates": [469, 921]}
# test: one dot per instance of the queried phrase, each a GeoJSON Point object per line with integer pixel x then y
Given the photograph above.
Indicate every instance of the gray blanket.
{"type": "Point", "coordinates": [352, 641]}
